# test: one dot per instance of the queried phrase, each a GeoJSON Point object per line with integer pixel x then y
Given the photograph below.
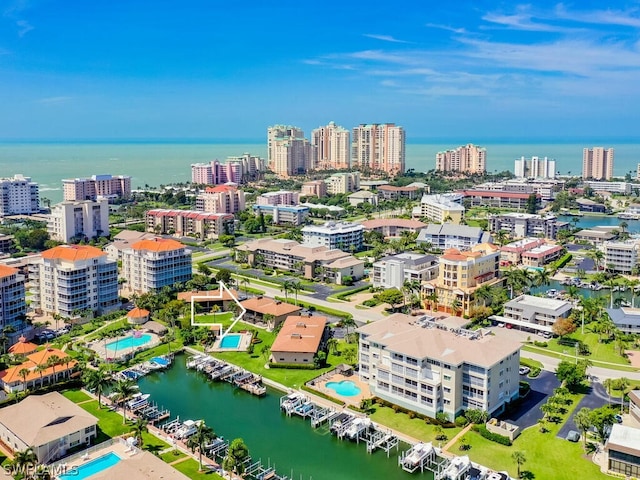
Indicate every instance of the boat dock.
{"type": "Point", "coordinates": [142, 369]}
{"type": "Point", "coordinates": [217, 369]}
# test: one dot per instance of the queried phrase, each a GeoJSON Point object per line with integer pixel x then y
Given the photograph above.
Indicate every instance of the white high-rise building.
{"type": "Point", "coordinates": [535, 167]}
{"type": "Point", "coordinates": [465, 159]}
{"type": "Point", "coordinates": [18, 196]}
{"type": "Point", "coordinates": [345, 236]}
{"type": "Point", "coordinates": [333, 147]}
{"type": "Point", "coordinates": [80, 219]}
{"type": "Point", "coordinates": [378, 148]}
{"type": "Point", "coordinates": [12, 299]}
{"type": "Point", "coordinates": [597, 163]}
{"type": "Point", "coordinates": [69, 279]}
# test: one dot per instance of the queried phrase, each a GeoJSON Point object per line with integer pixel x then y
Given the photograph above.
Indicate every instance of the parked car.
{"type": "Point", "coordinates": [573, 436]}
{"type": "Point", "coordinates": [501, 325]}
{"type": "Point", "coordinates": [618, 418]}
{"type": "Point", "coordinates": [524, 370]}
{"type": "Point", "coordinates": [546, 335]}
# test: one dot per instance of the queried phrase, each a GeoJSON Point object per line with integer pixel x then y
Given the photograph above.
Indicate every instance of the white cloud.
{"type": "Point", "coordinates": [52, 101]}
{"type": "Point", "coordinates": [627, 18]}
{"type": "Point", "coordinates": [25, 27]}
{"type": "Point", "coordinates": [446, 27]}
{"type": "Point", "coordinates": [384, 38]}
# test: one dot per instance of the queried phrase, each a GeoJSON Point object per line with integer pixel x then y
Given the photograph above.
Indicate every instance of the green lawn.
{"type": "Point", "coordinates": [413, 427]}
{"type": "Point", "coordinates": [76, 395]}
{"type": "Point", "coordinates": [172, 456]}
{"type": "Point", "coordinates": [600, 351]}
{"type": "Point", "coordinates": [551, 353]}
{"type": "Point", "coordinates": [113, 326]}
{"type": "Point", "coordinates": [220, 317]}
{"type": "Point", "coordinates": [547, 456]}
{"type": "Point", "coordinates": [190, 469]}
{"type": "Point", "coordinates": [256, 362]}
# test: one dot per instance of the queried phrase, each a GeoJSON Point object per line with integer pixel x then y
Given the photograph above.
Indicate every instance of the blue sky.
{"type": "Point", "coordinates": [205, 69]}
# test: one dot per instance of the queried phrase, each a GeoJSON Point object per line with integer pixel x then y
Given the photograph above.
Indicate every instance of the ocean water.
{"type": "Point", "coordinates": [162, 163]}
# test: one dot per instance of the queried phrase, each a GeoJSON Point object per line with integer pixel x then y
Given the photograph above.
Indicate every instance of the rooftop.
{"type": "Point", "coordinates": [625, 316]}
{"type": "Point", "coordinates": [72, 253]}
{"type": "Point", "coordinates": [7, 271]}
{"type": "Point", "coordinates": [291, 247]}
{"type": "Point", "coordinates": [446, 200]}
{"type": "Point", "coordinates": [334, 227]}
{"type": "Point", "coordinates": [269, 306]}
{"type": "Point", "coordinates": [409, 259]}
{"type": "Point", "coordinates": [451, 229]}
{"type": "Point", "coordinates": [158, 245]}
{"type": "Point", "coordinates": [623, 438]}
{"type": "Point", "coordinates": [300, 334]}
{"type": "Point", "coordinates": [39, 419]}
{"type": "Point", "coordinates": [393, 222]}
{"type": "Point", "coordinates": [403, 334]}
{"type": "Point", "coordinates": [138, 313]}
{"type": "Point", "coordinates": [477, 251]}
{"type": "Point", "coordinates": [542, 250]}
{"type": "Point", "coordinates": [539, 303]}
{"type": "Point", "coordinates": [213, 294]}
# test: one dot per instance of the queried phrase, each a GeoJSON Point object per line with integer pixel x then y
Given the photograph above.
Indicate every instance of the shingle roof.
{"type": "Point", "coordinates": [157, 245]}
{"type": "Point", "coordinates": [300, 334]}
{"type": "Point", "coordinates": [72, 253]}
{"type": "Point", "coordinates": [268, 306]}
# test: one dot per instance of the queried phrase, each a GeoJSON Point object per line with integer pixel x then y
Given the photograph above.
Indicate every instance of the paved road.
{"type": "Point", "coordinates": [596, 398]}
{"type": "Point", "coordinates": [551, 363]}
{"type": "Point", "coordinates": [529, 412]}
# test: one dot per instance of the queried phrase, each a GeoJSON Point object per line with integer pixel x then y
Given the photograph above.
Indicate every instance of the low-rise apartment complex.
{"type": "Point", "coordinates": [533, 314]}
{"type": "Point", "coordinates": [621, 257]}
{"type": "Point", "coordinates": [189, 223]}
{"type": "Point", "coordinates": [299, 339]}
{"type": "Point", "coordinates": [152, 264]}
{"type": "Point", "coordinates": [488, 198]}
{"type": "Point", "coordinates": [520, 225]}
{"type": "Point", "coordinates": [70, 279]}
{"type": "Point", "coordinates": [314, 262]}
{"type": "Point", "coordinates": [442, 208]}
{"type": "Point", "coordinates": [393, 271]}
{"type": "Point", "coordinates": [448, 235]}
{"type": "Point", "coordinates": [345, 182]}
{"type": "Point", "coordinates": [427, 368]}
{"type": "Point", "coordinates": [626, 319]}
{"type": "Point", "coordinates": [393, 227]}
{"type": "Point", "coordinates": [284, 214]}
{"type": "Point", "coordinates": [341, 235]}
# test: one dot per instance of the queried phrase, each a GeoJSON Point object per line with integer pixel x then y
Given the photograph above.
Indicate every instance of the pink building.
{"type": "Point", "coordinates": [539, 256]}
{"type": "Point", "coordinates": [235, 169]}
{"type": "Point", "coordinates": [221, 199]}
{"type": "Point", "coordinates": [106, 186]}
{"type": "Point", "coordinates": [281, 197]}
{"type": "Point", "coordinates": [512, 253]}
{"type": "Point", "coordinates": [316, 188]}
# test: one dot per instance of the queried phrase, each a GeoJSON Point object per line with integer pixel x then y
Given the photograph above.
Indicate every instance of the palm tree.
{"type": "Point", "coordinates": [517, 280]}
{"type": "Point", "coordinates": [204, 434]}
{"type": "Point", "coordinates": [347, 323]}
{"type": "Point", "coordinates": [54, 361]}
{"type": "Point", "coordinates": [236, 456]}
{"type": "Point", "coordinates": [519, 458]}
{"type": "Point", "coordinates": [456, 306]}
{"type": "Point", "coordinates": [40, 369]}
{"type": "Point", "coordinates": [24, 373]}
{"type": "Point", "coordinates": [138, 428]}
{"type": "Point", "coordinates": [295, 286]}
{"type": "Point", "coordinates": [582, 419]}
{"type": "Point", "coordinates": [332, 345]}
{"type": "Point", "coordinates": [123, 389]}
{"type": "Point", "coordinates": [215, 309]}
{"type": "Point", "coordinates": [98, 381]}
{"type": "Point", "coordinates": [597, 256]}
{"type": "Point", "coordinates": [286, 287]}
{"type": "Point", "coordinates": [542, 277]}
{"type": "Point", "coordinates": [23, 459]}
{"type": "Point", "coordinates": [483, 293]}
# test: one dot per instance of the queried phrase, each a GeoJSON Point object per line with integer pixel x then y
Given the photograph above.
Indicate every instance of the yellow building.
{"type": "Point", "coordinates": [441, 208]}
{"type": "Point", "coordinates": [460, 275]}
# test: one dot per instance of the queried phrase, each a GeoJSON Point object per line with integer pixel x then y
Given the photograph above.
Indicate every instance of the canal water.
{"type": "Point", "coordinates": [587, 222]}
{"type": "Point", "coordinates": [289, 443]}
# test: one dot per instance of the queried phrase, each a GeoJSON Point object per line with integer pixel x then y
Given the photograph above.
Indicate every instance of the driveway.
{"type": "Point", "coordinates": [596, 398]}
{"type": "Point", "coordinates": [528, 413]}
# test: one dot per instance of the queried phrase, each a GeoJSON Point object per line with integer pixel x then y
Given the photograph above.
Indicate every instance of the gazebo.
{"type": "Point", "coordinates": [22, 347]}
{"type": "Point", "coordinates": [138, 316]}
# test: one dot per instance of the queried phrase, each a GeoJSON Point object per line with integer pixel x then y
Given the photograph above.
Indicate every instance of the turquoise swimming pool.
{"type": "Point", "coordinates": [230, 341]}
{"type": "Point", "coordinates": [91, 468]}
{"type": "Point", "coordinates": [345, 388]}
{"type": "Point", "coordinates": [129, 342]}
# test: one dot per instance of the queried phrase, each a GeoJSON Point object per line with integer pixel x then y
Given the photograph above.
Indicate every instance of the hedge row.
{"type": "Point", "coordinates": [348, 293]}
{"type": "Point", "coordinates": [494, 437]}
{"type": "Point", "coordinates": [318, 308]}
{"type": "Point", "coordinates": [292, 366]}
{"type": "Point", "coordinates": [561, 262]}
{"type": "Point", "coordinates": [323, 395]}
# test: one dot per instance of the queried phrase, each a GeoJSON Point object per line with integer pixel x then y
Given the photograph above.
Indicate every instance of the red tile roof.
{"type": "Point", "coordinates": [300, 334]}
{"type": "Point", "coordinates": [7, 271]}
{"type": "Point", "coordinates": [73, 253]}
{"type": "Point", "coordinates": [157, 245]}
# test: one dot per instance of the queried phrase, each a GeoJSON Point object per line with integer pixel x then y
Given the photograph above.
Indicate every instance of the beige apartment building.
{"type": "Point", "coordinates": [441, 208]}
{"type": "Point", "coordinates": [105, 186]}
{"type": "Point", "coordinates": [333, 147]}
{"type": "Point", "coordinates": [423, 366]}
{"type": "Point", "coordinates": [189, 223]}
{"type": "Point", "coordinates": [79, 219]}
{"type": "Point", "coordinates": [378, 148]}
{"type": "Point", "coordinates": [315, 188]}
{"type": "Point", "coordinates": [289, 153]}
{"type": "Point", "coordinates": [460, 274]}
{"type": "Point", "coordinates": [465, 159]}
{"type": "Point", "coordinates": [597, 163]}
{"type": "Point", "coordinates": [343, 183]}
{"type": "Point", "coordinates": [221, 199]}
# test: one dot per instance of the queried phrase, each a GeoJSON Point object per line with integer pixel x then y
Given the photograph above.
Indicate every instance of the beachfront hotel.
{"type": "Point", "coordinates": [71, 279]}
{"type": "Point", "coordinates": [460, 274]}
{"type": "Point", "coordinates": [97, 186]}
{"type": "Point", "coordinates": [333, 147]}
{"type": "Point", "coordinates": [289, 153]}
{"type": "Point", "coordinates": [82, 219]}
{"type": "Point", "coordinates": [597, 163]}
{"type": "Point", "coordinates": [189, 223]}
{"type": "Point", "coordinates": [12, 300]}
{"type": "Point", "coordinates": [18, 196]}
{"type": "Point", "coordinates": [465, 159]}
{"type": "Point", "coordinates": [378, 148]}
{"type": "Point", "coordinates": [423, 366]}
{"type": "Point", "coordinates": [152, 264]}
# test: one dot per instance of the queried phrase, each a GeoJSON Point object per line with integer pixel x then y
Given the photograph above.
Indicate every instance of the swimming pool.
{"type": "Point", "coordinates": [129, 342]}
{"type": "Point", "coordinates": [91, 468]}
{"type": "Point", "coordinates": [230, 341]}
{"type": "Point", "coordinates": [345, 388]}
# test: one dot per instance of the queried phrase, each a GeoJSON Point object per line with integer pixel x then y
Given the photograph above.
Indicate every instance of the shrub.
{"type": "Point", "coordinates": [535, 371]}
{"type": "Point", "coordinates": [475, 415]}
{"type": "Point", "coordinates": [292, 366]}
{"type": "Point", "coordinates": [494, 437]}
{"type": "Point", "coordinates": [541, 344]}
{"type": "Point", "coordinates": [461, 421]}
{"type": "Point", "coordinates": [412, 414]}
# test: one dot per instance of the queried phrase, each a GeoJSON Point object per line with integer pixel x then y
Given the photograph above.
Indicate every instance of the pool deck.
{"type": "Point", "coordinates": [100, 346]}
{"type": "Point", "coordinates": [243, 345]}
{"type": "Point", "coordinates": [134, 464]}
{"type": "Point", "coordinates": [339, 377]}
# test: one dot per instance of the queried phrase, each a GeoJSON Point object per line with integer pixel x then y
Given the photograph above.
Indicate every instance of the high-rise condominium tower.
{"type": "Point", "coordinates": [597, 163]}
{"type": "Point", "coordinates": [378, 147]}
{"type": "Point", "coordinates": [333, 147]}
{"type": "Point", "coordinates": [465, 159]}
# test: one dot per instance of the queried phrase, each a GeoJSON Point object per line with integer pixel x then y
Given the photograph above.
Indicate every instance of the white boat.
{"type": "Point", "coordinates": [457, 469]}
{"type": "Point", "coordinates": [138, 400]}
{"type": "Point", "coordinates": [552, 293]}
{"type": "Point", "coordinates": [188, 428]}
{"type": "Point", "coordinates": [357, 426]}
{"type": "Point", "coordinates": [195, 360]}
{"type": "Point", "coordinates": [416, 455]}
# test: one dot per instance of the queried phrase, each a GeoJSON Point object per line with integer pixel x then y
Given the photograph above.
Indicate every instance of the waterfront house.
{"type": "Point", "coordinates": [626, 319]}
{"type": "Point", "coordinates": [50, 424]}
{"type": "Point", "coordinates": [208, 298]}
{"type": "Point", "coordinates": [299, 339]}
{"type": "Point", "coordinates": [39, 370]}
{"type": "Point", "coordinates": [275, 311]}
